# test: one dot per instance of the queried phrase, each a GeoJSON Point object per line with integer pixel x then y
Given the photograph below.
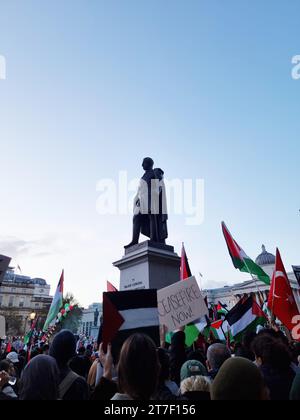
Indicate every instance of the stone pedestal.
{"type": "Point", "coordinates": [148, 265]}
{"type": "Point", "coordinates": [94, 332]}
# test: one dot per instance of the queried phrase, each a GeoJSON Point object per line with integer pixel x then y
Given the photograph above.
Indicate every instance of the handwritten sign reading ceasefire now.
{"type": "Point", "coordinates": [180, 304]}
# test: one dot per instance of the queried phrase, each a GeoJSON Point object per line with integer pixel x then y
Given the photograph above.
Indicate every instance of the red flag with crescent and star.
{"type": "Point", "coordinates": [281, 300]}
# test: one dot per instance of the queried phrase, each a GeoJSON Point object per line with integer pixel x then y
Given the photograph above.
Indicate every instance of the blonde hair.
{"type": "Point", "coordinates": [195, 383]}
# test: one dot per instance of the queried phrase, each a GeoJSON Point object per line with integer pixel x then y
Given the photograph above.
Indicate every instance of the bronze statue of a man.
{"type": "Point", "coordinates": [96, 316]}
{"type": "Point", "coordinates": [149, 212]}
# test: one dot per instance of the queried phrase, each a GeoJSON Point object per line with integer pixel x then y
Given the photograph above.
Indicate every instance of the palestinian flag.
{"type": "Point", "coordinates": [185, 271]}
{"type": "Point", "coordinates": [193, 330]}
{"type": "Point", "coordinates": [241, 260]}
{"type": "Point", "coordinates": [56, 304]}
{"type": "Point", "coordinates": [246, 315]}
{"type": "Point", "coordinates": [217, 330]}
{"type": "Point", "coordinates": [126, 313]}
{"type": "Point", "coordinates": [221, 310]}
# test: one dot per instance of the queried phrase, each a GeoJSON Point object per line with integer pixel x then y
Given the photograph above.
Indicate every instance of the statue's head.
{"type": "Point", "coordinates": [147, 163]}
{"type": "Point", "coordinates": [159, 173]}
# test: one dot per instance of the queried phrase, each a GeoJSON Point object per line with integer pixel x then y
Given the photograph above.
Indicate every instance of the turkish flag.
{"type": "Point", "coordinates": [281, 300]}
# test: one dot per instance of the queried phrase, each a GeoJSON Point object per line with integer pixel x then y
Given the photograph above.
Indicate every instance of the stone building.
{"type": "Point", "coordinates": [23, 299]}
{"type": "Point", "coordinates": [90, 321]}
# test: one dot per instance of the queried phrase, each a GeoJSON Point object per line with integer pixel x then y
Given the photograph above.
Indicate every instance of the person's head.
{"type": "Point", "coordinates": [196, 355]}
{"type": "Point", "coordinates": [45, 349]}
{"type": "Point", "coordinates": [77, 364]}
{"type": "Point", "coordinates": [217, 354]}
{"type": "Point", "coordinates": [63, 347]}
{"type": "Point", "coordinates": [195, 383]}
{"type": "Point", "coordinates": [22, 353]}
{"type": "Point", "coordinates": [164, 362]}
{"type": "Point", "coordinates": [178, 341]}
{"type": "Point", "coordinates": [13, 357]}
{"type": "Point", "coordinates": [147, 163]}
{"type": "Point", "coordinates": [81, 351]}
{"type": "Point", "coordinates": [88, 353]}
{"type": "Point", "coordinates": [35, 352]}
{"type": "Point", "coordinates": [138, 367]}
{"type": "Point", "coordinates": [40, 379]}
{"type": "Point", "coordinates": [8, 367]}
{"type": "Point", "coordinates": [248, 338]}
{"type": "Point", "coordinates": [238, 379]}
{"type": "Point", "coordinates": [271, 352]}
{"type": "Point", "coordinates": [277, 335]}
{"type": "Point", "coordinates": [192, 368]}
{"type": "Point", "coordinates": [159, 173]}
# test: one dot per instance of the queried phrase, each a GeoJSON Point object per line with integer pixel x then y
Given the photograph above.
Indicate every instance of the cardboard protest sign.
{"type": "Point", "coordinates": [126, 313]}
{"type": "Point", "coordinates": [180, 304]}
{"type": "Point", "coordinates": [4, 264]}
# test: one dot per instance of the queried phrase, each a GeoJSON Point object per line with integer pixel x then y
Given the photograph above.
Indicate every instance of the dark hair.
{"type": "Point", "coordinates": [5, 365]}
{"type": "Point", "coordinates": [245, 350]}
{"type": "Point", "coordinates": [248, 338]}
{"type": "Point", "coordinates": [277, 335]}
{"type": "Point", "coordinates": [138, 367]}
{"type": "Point", "coordinates": [177, 355]}
{"type": "Point", "coordinates": [164, 362]}
{"type": "Point", "coordinates": [272, 352]}
{"type": "Point", "coordinates": [197, 355]}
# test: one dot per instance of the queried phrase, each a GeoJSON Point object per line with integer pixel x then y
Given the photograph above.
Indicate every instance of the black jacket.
{"type": "Point", "coordinates": [278, 382]}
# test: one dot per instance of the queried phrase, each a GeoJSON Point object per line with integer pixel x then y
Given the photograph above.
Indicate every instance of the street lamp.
{"type": "Point", "coordinates": [32, 318]}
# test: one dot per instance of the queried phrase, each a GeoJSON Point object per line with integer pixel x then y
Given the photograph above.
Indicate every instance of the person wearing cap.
{"type": "Point", "coordinates": [195, 384]}
{"type": "Point", "coordinates": [14, 359]}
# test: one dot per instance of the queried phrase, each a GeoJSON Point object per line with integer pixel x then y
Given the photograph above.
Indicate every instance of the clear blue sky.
{"type": "Point", "coordinates": [93, 86]}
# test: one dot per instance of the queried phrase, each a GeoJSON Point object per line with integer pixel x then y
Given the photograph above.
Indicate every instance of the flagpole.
{"type": "Point", "coordinates": [200, 282]}
{"type": "Point", "coordinates": [273, 284]}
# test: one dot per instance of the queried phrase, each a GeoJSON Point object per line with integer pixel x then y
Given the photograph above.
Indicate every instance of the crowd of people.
{"type": "Point", "coordinates": [264, 366]}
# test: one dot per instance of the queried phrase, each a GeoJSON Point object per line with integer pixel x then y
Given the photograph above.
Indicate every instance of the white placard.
{"type": "Point", "coordinates": [180, 304]}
